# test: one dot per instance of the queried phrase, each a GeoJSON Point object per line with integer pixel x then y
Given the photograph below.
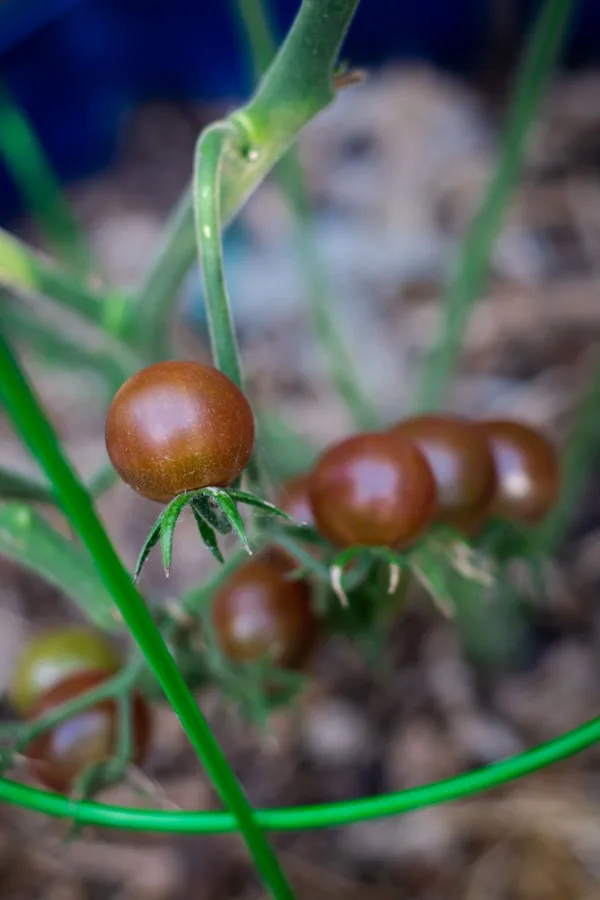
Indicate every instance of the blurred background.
{"type": "Point", "coordinates": [116, 92]}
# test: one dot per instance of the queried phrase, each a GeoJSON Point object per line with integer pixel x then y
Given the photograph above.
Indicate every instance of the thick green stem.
{"type": "Point", "coordinates": [538, 61]}
{"type": "Point", "coordinates": [298, 85]}
{"type": "Point", "coordinates": [26, 414]}
{"type": "Point", "coordinates": [321, 303]}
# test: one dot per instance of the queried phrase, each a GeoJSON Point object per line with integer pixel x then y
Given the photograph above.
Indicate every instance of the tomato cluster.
{"type": "Point", "coordinates": [59, 666]}
{"type": "Point", "coordinates": [388, 488]}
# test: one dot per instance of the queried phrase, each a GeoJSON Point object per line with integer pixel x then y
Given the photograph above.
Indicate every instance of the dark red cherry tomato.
{"type": "Point", "coordinates": [51, 656]}
{"type": "Point", "coordinates": [461, 462]}
{"type": "Point", "coordinates": [57, 757]}
{"type": "Point", "coordinates": [375, 489]}
{"type": "Point", "coordinates": [179, 426]}
{"type": "Point", "coordinates": [294, 499]}
{"type": "Point", "coordinates": [527, 470]}
{"type": "Point", "coordinates": [260, 612]}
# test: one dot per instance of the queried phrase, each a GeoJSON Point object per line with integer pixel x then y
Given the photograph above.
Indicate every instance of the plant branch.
{"type": "Point", "coordinates": [321, 304]}
{"type": "Point", "coordinates": [26, 414]}
{"type": "Point", "coordinates": [538, 61]}
{"type": "Point", "coordinates": [298, 85]}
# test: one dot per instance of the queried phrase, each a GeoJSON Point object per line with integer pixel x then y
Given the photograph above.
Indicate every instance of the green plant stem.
{"type": "Point", "coordinates": [537, 64]}
{"type": "Point", "coordinates": [21, 269]}
{"type": "Point", "coordinates": [298, 85]}
{"type": "Point", "coordinates": [580, 456]}
{"type": "Point", "coordinates": [29, 420]}
{"type": "Point", "coordinates": [316, 816]}
{"type": "Point", "coordinates": [210, 152]}
{"type": "Point", "coordinates": [25, 160]}
{"type": "Point", "coordinates": [16, 486]}
{"type": "Point", "coordinates": [259, 37]}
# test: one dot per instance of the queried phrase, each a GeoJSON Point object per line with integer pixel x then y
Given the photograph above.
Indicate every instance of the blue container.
{"type": "Point", "coordinates": [76, 66]}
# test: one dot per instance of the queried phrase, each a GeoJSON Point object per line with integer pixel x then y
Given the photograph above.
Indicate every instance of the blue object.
{"type": "Point", "coordinates": [77, 66]}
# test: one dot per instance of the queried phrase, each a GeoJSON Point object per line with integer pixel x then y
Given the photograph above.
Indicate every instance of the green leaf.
{"type": "Point", "coordinates": [208, 508]}
{"type": "Point", "coordinates": [230, 509]}
{"type": "Point", "coordinates": [169, 519]}
{"type": "Point", "coordinates": [208, 536]}
{"type": "Point", "coordinates": [252, 500]}
{"type": "Point", "coordinates": [149, 543]}
{"type": "Point", "coordinates": [27, 538]}
{"type": "Point", "coordinates": [449, 568]}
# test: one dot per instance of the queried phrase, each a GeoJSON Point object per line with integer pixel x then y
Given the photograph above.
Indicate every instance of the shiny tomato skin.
{"type": "Point", "coordinates": [53, 655]}
{"type": "Point", "coordinates": [179, 426]}
{"type": "Point", "coordinates": [527, 470]}
{"type": "Point", "coordinates": [294, 499]}
{"type": "Point", "coordinates": [461, 462]}
{"type": "Point", "coordinates": [374, 489]}
{"type": "Point", "coordinates": [57, 757]}
{"type": "Point", "coordinates": [261, 612]}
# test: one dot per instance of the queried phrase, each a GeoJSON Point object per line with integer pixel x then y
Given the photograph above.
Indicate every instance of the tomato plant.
{"type": "Point", "coordinates": [461, 462]}
{"type": "Point", "coordinates": [58, 756]}
{"type": "Point", "coordinates": [53, 655]}
{"type": "Point", "coordinates": [261, 612]}
{"type": "Point", "coordinates": [179, 426]}
{"type": "Point", "coordinates": [527, 470]}
{"type": "Point", "coordinates": [374, 489]}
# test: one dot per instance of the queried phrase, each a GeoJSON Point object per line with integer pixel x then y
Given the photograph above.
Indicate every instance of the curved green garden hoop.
{"type": "Point", "coordinates": [303, 817]}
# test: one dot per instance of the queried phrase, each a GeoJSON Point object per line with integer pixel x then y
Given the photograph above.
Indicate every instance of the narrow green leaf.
{"type": "Point", "coordinates": [253, 500]}
{"type": "Point", "coordinates": [26, 538]}
{"type": "Point", "coordinates": [230, 509]}
{"type": "Point", "coordinates": [208, 508]}
{"type": "Point", "coordinates": [149, 543]}
{"type": "Point", "coordinates": [208, 536]}
{"type": "Point", "coordinates": [169, 519]}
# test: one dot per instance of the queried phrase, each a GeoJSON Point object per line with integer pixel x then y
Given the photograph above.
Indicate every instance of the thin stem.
{"type": "Point", "coordinates": [36, 431]}
{"type": "Point", "coordinates": [580, 455]}
{"type": "Point", "coordinates": [298, 85]}
{"type": "Point", "coordinates": [25, 160]}
{"type": "Point", "coordinates": [538, 61]}
{"type": "Point", "coordinates": [207, 190]}
{"type": "Point", "coordinates": [21, 269]}
{"type": "Point", "coordinates": [321, 303]}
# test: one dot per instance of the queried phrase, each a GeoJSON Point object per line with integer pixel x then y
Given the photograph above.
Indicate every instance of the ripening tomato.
{"type": "Point", "coordinates": [461, 462]}
{"type": "Point", "coordinates": [375, 489]}
{"type": "Point", "coordinates": [58, 756]}
{"type": "Point", "coordinates": [261, 612]}
{"type": "Point", "coordinates": [527, 470]}
{"type": "Point", "coordinates": [51, 656]}
{"type": "Point", "coordinates": [294, 499]}
{"type": "Point", "coordinates": [179, 426]}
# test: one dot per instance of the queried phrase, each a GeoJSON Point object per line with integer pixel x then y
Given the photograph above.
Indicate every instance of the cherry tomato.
{"type": "Point", "coordinates": [294, 499]}
{"type": "Point", "coordinates": [53, 655]}
{"type": "Point", "coordinates": [260, 612]}
{"type": "Point", "coordinates": [179, 426]}
{"type": "Point", "coordinates": [57, 757]}
{"type": "Point", "coordinates": [461, 462]}
{"type": "Point", "coordinates": [374, 489]}
{"type": "Point", "coordinates": [527, 470]}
